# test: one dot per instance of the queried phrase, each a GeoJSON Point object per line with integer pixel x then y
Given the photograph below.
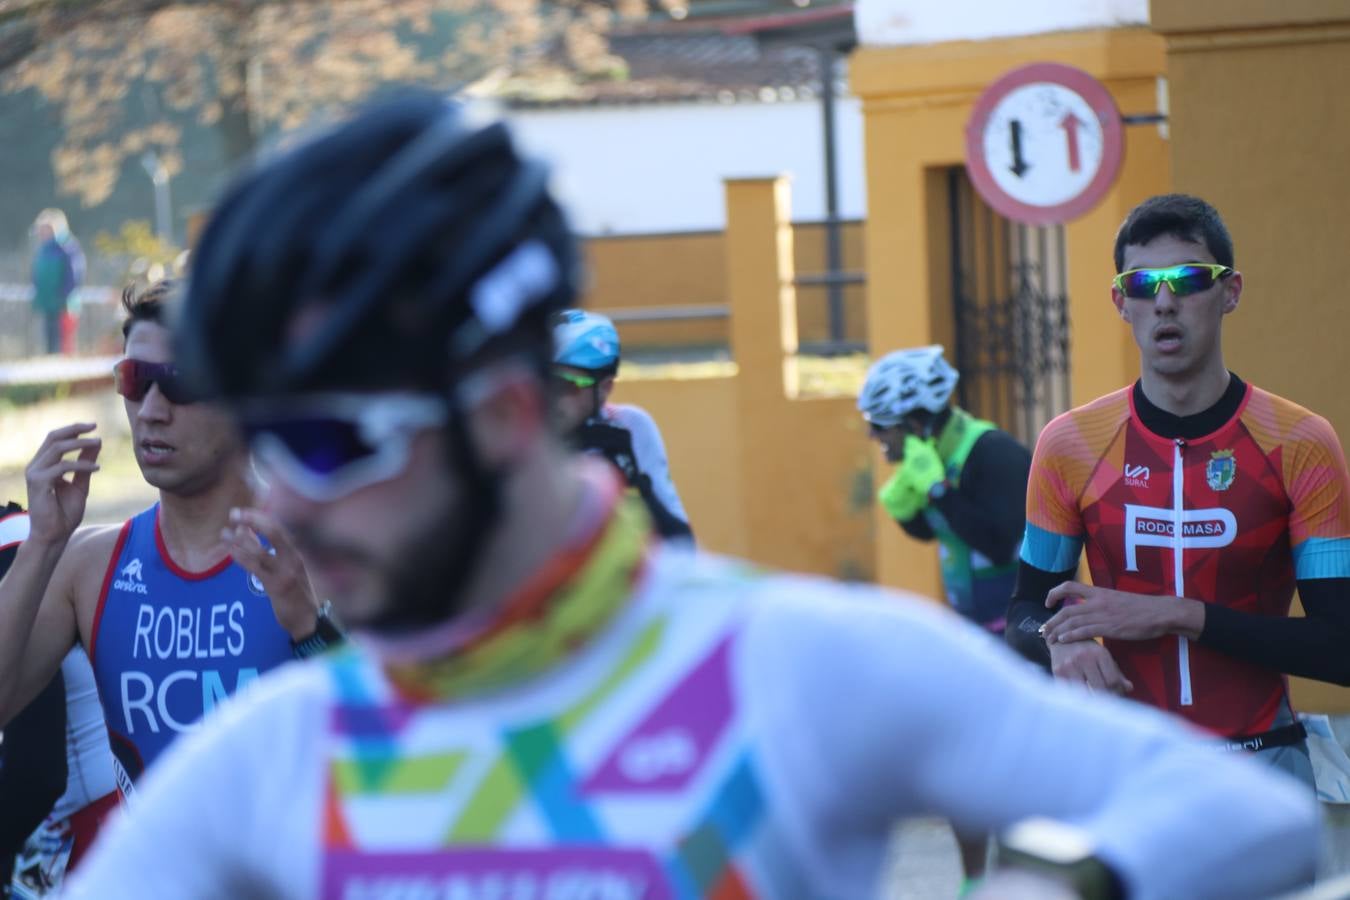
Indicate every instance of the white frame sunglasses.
{"type": "Point", "coordinates": [387, 423]}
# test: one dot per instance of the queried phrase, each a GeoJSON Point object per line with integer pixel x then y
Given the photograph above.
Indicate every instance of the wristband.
{"type": "Point", "coordinates": [326, 634]}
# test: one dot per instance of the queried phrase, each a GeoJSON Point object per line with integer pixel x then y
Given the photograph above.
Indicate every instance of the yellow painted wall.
{"type": "Point", "coordinates": [697, 417]}
{"type": "Point", "coordinates": [644, 271]}
{"type": "Point", "coordinates": [916, 102]}
{"type": "Point", "coordinates": [689, 269]}
{"type": "Point", "coordinates": [813, 487]}
{"type": "Point", "coordinates": [798, 457]}
{"type": "Point", "coordinates": [795, 496]}
{"type": "Point", "coordinates": [1260, 128]}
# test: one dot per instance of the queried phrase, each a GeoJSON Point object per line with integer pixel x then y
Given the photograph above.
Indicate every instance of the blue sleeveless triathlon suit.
{"type": "Point", "coordinates": [168, 644]}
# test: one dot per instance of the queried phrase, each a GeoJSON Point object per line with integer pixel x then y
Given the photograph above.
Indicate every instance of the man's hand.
{"type": "Point", "coordinates": [1104, 613]}
{"type": "Point", "coordinates": [1089, 663]}
{"type": "Point", "coordinates": [899, 499]}
{"type": "Point", "coordinates": [921, 467]}
{"type": "Point", "coordinates": [277, 565]}
{"type": "Point", "coordinates": [613, 443]}
{"type": "Point", "coordinates": [56, 502]}
{"type": "Point", "coordinates": [905, 493]}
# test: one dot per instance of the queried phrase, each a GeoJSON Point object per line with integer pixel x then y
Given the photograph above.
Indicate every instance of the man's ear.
{"type": "Point", "coordinates": [1232, 292]}
{"type": "Point", "coordinates": [1119, 300]}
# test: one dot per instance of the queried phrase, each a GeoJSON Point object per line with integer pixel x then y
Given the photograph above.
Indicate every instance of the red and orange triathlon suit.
{"type": "Point", "coordinates": [1232, 518]}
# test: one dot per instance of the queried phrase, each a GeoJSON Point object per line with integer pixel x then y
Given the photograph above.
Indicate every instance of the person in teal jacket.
{"type": "Point", "coordinates": [958, 480]}
{"type": "Point", "coordinates": [58, 269]}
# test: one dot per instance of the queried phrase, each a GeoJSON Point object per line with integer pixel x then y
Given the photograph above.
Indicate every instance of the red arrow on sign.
{"type": "Point", "coordinates": [1070, 124]}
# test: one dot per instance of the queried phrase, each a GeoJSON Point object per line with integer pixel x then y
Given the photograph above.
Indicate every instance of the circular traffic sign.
{"type": "Point", "coordinates": [1044, 143]}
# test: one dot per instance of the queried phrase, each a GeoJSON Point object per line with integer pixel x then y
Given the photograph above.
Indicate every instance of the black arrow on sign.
{"type": "Point", "coordinates": [1019, 166]}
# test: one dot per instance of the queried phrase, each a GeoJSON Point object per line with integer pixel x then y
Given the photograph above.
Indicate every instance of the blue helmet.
{"type": "Point", "coordinates": [585, 340]}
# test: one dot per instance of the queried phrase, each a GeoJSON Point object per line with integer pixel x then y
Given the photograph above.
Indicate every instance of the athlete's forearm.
{"type": "Point", "coordinates": [1186, 619]}
{"type": "Point", "coordinates": [1022, 631]}
{"type": "Point", "coordinates": [1086, 612]}
{"type": "Point", "coordinates": [986, 744]}
{"type": "Point", "coordinates": [1114, 766]}
{"type": "Point", "coordinates": [666, 522]}
{"type": "Point", "coordinates": [1027, 611]}
{"type": "Point", "coordinates": [1310, 647]}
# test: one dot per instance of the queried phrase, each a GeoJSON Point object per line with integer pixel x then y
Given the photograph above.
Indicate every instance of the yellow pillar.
{"type": "Point", "coordinates": [760, 286]}
{"type": "Point", "coordinates": [763, 327]}
{"type": "Point", "coordinates": [797, 456]}
{"type": "Point", "coordinates": [1259, 128]}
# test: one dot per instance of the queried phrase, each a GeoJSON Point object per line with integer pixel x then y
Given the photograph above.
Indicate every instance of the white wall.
{"type": "Point", "coordinates": [897, 22]}
{"type": "Point", "coordinates": [655, 168]}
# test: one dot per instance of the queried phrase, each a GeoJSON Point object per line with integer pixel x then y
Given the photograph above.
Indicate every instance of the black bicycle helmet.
{"type": "Point", "coordinates": [386, 231]}
{"type": "Point", "coordinates": [397, 250]}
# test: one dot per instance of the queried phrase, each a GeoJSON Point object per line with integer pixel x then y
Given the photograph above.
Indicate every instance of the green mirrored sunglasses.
{"type": "Point", "coordinates": [1187, 278]}
{"type": "Point", "coordinates": [575, 380]}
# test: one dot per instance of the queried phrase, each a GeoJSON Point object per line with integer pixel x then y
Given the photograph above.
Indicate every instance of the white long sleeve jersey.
{"type": "Point", "coordinates": [728, 733]}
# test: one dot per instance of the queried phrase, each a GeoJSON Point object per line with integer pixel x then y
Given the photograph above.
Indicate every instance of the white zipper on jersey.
{"type": "Point", "coordinates": [1178, 567]}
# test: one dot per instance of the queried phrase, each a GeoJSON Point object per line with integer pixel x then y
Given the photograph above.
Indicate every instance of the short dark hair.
{"type": "Point", "coordinates": [148, 305]}
{"type": "Point", "coordinates": [1176, 215]}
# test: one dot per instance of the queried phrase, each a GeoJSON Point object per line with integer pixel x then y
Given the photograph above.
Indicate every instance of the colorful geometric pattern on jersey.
{"type": "Point", "coordinates": [635, 779]}
{"type": "Point", "coordinates": [1232, 518]}
{"type": "Point", "coordinates": [169, 644]}
{"type": "Point", "coordinates": [976, 587]}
